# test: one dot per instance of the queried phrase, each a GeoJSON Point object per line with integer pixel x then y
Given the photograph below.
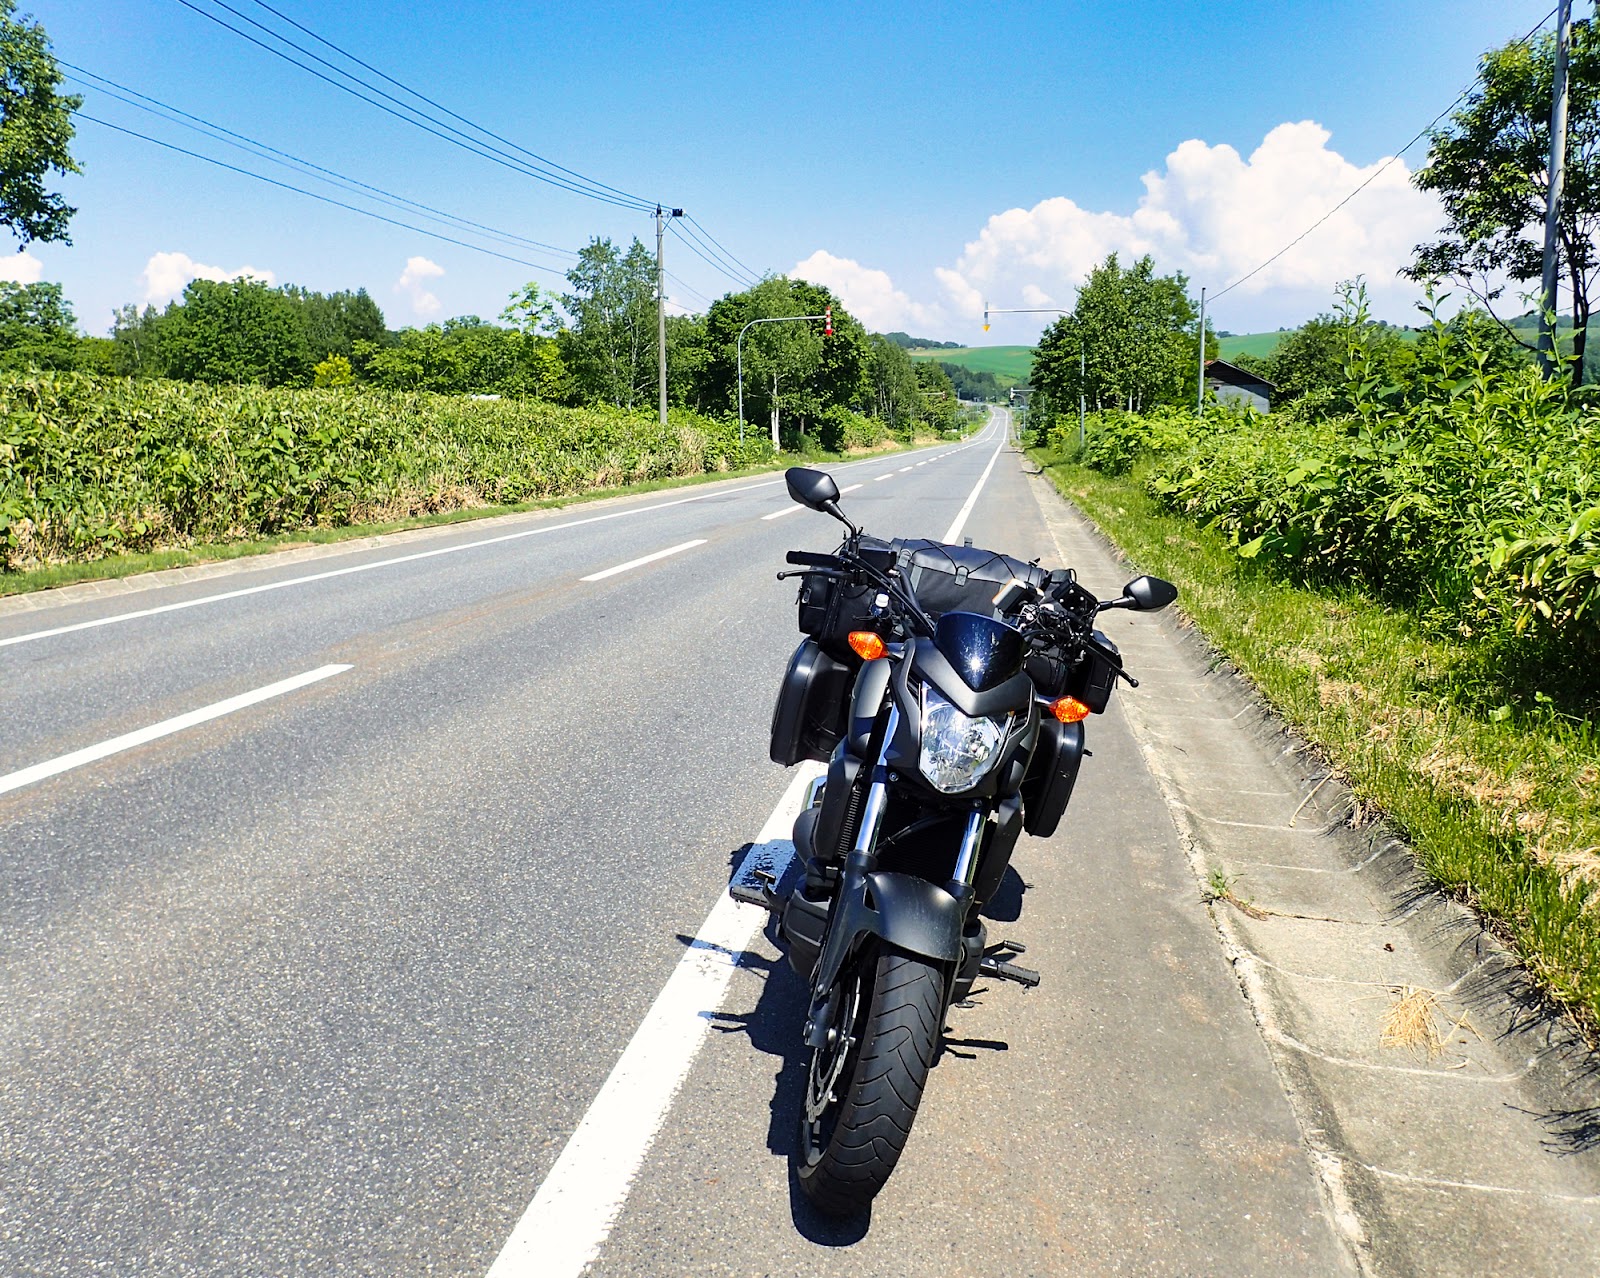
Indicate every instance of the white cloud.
{"type": "Point", "coordinates": [412, 284]}
{"type": "Point", "coordinates": [1216, 215]}
{"type": "Point", "coordinates": [21, 268]}
{"type": "Point", "coordinates": [867, 293]}
{"type": "Point", "coordinates": [166, 274]}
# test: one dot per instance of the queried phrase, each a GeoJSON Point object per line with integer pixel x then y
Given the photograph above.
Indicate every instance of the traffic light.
{"type": "Point", "coordinates": [827, 321]}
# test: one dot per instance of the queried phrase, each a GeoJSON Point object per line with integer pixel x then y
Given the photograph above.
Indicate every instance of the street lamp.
{"type": "Point", "coordinates": [738, 347]}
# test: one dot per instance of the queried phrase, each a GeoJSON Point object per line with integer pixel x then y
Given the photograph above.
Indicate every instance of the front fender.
{"type": "Point", "coordinates": [904, 911]}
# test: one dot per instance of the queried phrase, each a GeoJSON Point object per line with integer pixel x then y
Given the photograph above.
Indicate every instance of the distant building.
{"type": "Point", "coordinates": [1234, 385]}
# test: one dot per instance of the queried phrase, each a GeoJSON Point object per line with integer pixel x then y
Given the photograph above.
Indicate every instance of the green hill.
{"type": "Point", "coordinates": [1258, 344]}
{"type": "Point", "coordinates": [1010, 363]}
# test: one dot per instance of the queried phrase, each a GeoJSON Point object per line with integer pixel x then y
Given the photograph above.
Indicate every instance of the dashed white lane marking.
{"type": "Point", "coordinates": [575, 1208]}
{"type": "Point", "coordinates": [779, 514]}
{"type": "Point", "coordinates": [89, 754]}
{"type": "Point", "coordinates": [642, 560]}
{"type": "Point", "coordinates": [850, 489]}
{"type": "Point", "coordinates": [972, 499]}
{"type": "Point", "coordinates": [902, 470]}
{"type": "Point", "coordinates": [881, 478]}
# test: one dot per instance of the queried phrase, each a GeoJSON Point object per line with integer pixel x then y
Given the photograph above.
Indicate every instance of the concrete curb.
{"type": "Point", "coordinates": [1537, 1051]}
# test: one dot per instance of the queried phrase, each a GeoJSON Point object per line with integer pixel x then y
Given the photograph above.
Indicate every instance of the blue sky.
{"type": "Point", "coordinates": [921, 159]}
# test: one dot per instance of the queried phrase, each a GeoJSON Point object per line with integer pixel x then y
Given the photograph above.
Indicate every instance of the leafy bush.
{"type": "Point", "coordinates": [95, 465]}
{"type": "Point", "coordinates": [1114, 441]}
{"type": "Point", "coordinates": [1466, 491]}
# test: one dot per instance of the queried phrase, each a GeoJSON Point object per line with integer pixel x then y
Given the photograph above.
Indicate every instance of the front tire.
{"type": "Point", "coordinates": [864, 1086]}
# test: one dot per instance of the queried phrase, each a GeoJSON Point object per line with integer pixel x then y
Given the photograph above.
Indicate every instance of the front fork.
{"type": "Point", "coordinates": [908, 912]}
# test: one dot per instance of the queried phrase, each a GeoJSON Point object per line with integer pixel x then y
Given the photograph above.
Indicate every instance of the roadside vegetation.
{"type": "Point", "coordinates": [1406, 562]}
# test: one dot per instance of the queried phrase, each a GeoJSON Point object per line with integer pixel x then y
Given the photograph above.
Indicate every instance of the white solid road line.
{"type": "Point", "coordinates": [66, 762]}
{"type": "Point", "coordinates": [972, 499]}
{"type": "Point", "coordinates": [642, 560]}
{"type": "Point", "coordinates": [369, 566]}
{"type": "Point", "coordinates": [563, 1229]}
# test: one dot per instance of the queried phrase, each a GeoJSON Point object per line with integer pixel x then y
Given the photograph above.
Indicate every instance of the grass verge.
{"type": "Point", "coordinates": [114, 566]}
{"type": "Point", "coordinates": [1502, 808]}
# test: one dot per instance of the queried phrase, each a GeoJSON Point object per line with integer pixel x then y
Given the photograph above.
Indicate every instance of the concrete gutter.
{"type": "Point", "coordinates": [1484, 1158]}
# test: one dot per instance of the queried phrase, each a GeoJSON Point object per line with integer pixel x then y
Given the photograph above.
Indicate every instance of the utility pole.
{"type": "Point", "coordinates": [1552, 208]}
{"type": "Point", "coordinates": [661, 301]}
{"type": "Point", "coordinates": [1083, 398]}
{"type": "Point", "coordinates": [1200, 394]}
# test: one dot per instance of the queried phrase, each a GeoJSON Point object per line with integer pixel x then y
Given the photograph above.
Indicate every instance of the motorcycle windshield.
{"type": "Point", "coordinates": [984, 652]}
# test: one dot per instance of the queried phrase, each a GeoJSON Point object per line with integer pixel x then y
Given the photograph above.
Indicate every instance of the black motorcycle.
{"type": "Point", "coordinates": [945, 687]}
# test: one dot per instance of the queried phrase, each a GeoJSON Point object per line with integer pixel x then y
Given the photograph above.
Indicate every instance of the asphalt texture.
{"type": "Point", "coordinates": [324, 985]}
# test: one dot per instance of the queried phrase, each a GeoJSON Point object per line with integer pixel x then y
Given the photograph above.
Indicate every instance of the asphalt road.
{"type": "Point", "coordinates": [325, 981]}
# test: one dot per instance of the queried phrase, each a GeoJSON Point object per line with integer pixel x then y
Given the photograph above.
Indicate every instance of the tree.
{"type": "Point", "coordinates": [136, 336]}
{"type": "Point", "coordinates": [35, 131]}
{"type": "Point", "coordinates": [611, 346]}
{"type": "Point", "coordinates": [240, 331]}
{"type": "Point", "coordinates": [335, 322]}
{"type": "Point", "coordinates": [791, 370]}
{"type": "Point", "coordinates": [1137, 333]}
{"type": "Point", "coordinates": [36, 327]}
{"type": "Point", "coordinates": [896, 393]}
{"type": "Point", "coordinates": [531, 310]}
{"type": "Point", "coordinates": [1489, 167]}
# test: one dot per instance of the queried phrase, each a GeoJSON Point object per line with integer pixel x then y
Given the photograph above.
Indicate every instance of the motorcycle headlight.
{"type": "Point", "coordinates": [956, 749]}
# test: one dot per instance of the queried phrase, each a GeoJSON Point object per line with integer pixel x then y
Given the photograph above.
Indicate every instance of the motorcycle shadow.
{"type": "Point", "coordinates": [773, 1028]}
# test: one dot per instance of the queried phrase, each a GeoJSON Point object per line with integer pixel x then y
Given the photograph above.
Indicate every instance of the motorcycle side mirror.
{"type": "Point", "coordinates": [811, 488]}
{"type": "Point", "coordinates": [815, 490]}
{"type": "Point", "coordinates": [1147, 594]}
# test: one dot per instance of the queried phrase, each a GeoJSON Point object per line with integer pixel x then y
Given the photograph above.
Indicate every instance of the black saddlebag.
{"type": "Point", "coordinates": [813, 706]}
{"type": "Point", "coordinates": [831, 608]}
{"type": "Point", "coordinates": [1052, 772]}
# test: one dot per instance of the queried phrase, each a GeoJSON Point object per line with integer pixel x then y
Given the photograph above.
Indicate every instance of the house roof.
{"type": "Point", "coordinates": [1234, 375]}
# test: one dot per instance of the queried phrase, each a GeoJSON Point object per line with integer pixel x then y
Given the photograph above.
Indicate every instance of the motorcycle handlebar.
{"type": "Point", "coordinates": [810, 559]}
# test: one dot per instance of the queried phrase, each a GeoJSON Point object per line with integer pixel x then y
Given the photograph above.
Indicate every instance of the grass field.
{"type": "Point", "coordinates": [1013, 362]}
{"type": "Point", "coordinates": [1258, 344]}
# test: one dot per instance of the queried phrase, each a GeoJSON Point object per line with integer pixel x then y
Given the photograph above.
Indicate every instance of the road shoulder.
{"type": "Point", "coordinates": [1482, 1156]}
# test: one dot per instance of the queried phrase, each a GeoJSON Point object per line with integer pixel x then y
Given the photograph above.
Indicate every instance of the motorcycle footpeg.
{"type": "Point", "coordinates": [1006, 947]}
{"type": "Point", "coordinates": [755, 894]}
{"type": "Point", "coordinates": [1023, 976]}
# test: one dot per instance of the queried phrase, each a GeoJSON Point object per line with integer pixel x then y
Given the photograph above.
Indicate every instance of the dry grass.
{"type": "Point", "coordinates": [1417, 1022]}
{"type": "Point", "coordinates": [1412, 1022]}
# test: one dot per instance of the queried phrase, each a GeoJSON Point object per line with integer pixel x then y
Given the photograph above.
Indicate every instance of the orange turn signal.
{"type": "Point", "coordinates": [1067, 709]}
{"type": "Point", "coordinates": [869, 646]}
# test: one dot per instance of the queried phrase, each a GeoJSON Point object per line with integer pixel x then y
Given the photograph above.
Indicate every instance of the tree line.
{"type": "Point", "coordinates": [595, 343]}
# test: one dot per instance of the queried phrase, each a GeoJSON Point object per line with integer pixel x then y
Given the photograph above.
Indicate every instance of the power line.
{"type": "Point", "coordinates": [731, 270]}
{"type": "Point", "coordinates": [578, 184]}
{"type": "Point", "coordinates": [720, 250]}
{"type": "Point", "coordinates": [687, 289]}
{"type": "Point", "coordinates": [345, 53]}
{"type": "Point", "coordinates": [711, 262]}
{"type": "Point", "coordinates": [262, 150]}
{"type": "Point", "coordinates": [1376, 173]}
{"type": "Point", "coordinates": [415, 117]}
{"type": "Point", "coordinates": [325, 199]}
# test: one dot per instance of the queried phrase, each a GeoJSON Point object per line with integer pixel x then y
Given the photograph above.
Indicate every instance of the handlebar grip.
{"type": "Point", "coordinates": [810, 559]}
